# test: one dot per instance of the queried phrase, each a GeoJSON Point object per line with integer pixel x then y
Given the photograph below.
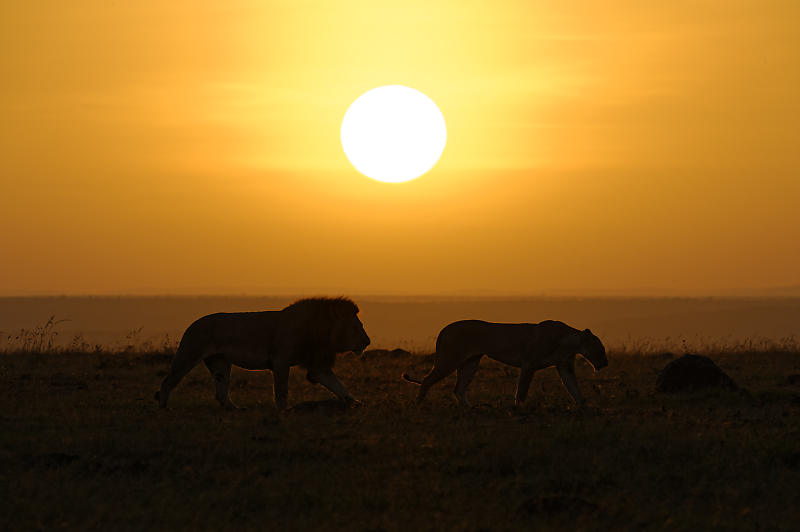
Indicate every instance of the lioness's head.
{"type": "Point", "coordinates": [592, 349]}
{"type": "Point", "coordinates": [347, 332]}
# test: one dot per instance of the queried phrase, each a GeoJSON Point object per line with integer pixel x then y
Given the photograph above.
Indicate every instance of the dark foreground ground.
{"type": "Point", "coordinates": [83, 446]}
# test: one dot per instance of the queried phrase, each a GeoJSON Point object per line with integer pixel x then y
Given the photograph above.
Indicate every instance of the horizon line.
{"type": "Point", "coordinates": [774, 293]}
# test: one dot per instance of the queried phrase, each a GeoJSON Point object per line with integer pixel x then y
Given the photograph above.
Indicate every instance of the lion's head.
{"type": "Point", "coordinates": [334, 323]}
{"type": "Point", "coordinates": [347, 332]}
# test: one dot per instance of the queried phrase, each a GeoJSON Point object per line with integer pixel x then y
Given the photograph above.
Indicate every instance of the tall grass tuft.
{"type": "Point", "coordinates": [705, 345]}
{"type": "Point", "coordinates": [44, 339]}
{"type": "Point", "coordinates": [39, 339]}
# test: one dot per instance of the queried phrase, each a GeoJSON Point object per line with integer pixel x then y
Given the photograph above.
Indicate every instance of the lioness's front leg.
{"type": "Point", "coordinates": [523, 385]}
{"type": "Point", "coordinates": [280, 377]}
{"type": "Point", "coordinates": [567, 372]}
{"type": "Point", "coordinates": [332, 383]}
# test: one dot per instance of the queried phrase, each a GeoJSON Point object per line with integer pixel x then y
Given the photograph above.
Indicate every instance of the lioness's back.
{"type": "Point", "coordinates": [457, 333]}
{"type": "Point", "coordinates": [478, 336]}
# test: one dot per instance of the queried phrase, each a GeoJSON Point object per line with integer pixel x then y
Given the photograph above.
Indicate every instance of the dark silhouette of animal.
{"type": "Point", "coordinates": [528, 346]}
{"type": "Point", "coordinates": [308, 333]}
{"type": "Point", "coordinates": [691, 373]}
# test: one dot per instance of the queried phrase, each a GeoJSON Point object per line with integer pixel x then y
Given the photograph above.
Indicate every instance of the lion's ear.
{"type": "Point", "coordinates": [587, 332]}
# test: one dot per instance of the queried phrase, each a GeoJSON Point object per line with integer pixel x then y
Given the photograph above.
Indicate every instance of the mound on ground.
{"type": "Point", "coordinates": [396, 353]}
{"type": "Point", "coordinates": [690, 373]}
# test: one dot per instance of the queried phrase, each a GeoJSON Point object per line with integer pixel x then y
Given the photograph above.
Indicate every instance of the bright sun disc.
{"type": "Point", "coordinates": [393, 133]}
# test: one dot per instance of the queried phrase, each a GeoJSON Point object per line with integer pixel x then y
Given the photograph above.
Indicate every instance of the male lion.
{"type": "Point", "coordinates": [308, 332]}
{"type": "Point", "coordinates": [528, 346]}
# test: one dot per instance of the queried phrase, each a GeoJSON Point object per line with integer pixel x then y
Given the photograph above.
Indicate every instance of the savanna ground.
{"type": "Point", "coordinates": [83, 446]}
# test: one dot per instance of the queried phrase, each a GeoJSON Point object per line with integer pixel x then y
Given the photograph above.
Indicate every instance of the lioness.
{"type": "Point", "coordinates": [308, 333]}
{"type": "Point", "coordinates": [528, 346]}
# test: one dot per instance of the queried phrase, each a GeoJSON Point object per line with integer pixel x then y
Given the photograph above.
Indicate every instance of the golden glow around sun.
{"type": "Point", "coordinates": [393, 133]}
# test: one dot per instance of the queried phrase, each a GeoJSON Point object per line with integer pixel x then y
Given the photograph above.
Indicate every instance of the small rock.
{"type": "Point", "coordinates": [56, 460]}
{"type": "Point", "coordinates": [393, 353]}
{"type": "Point", "coordinates": [324, 406]}
{"type": "Point", "coordinates": [690, 373]}
{"type": "Point", "coordinates": [555, 505]}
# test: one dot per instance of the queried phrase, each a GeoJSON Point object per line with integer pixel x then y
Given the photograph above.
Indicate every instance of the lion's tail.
{"type": "Point", "coordinates": [409, 378]}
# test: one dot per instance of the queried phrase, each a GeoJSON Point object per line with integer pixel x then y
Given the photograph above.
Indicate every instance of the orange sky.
{"type": "Point", "coordinates": [593, 147]}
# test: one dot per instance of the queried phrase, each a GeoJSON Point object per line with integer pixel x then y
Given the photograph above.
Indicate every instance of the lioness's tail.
{"type": "Point", "coordinates": [409, 378]}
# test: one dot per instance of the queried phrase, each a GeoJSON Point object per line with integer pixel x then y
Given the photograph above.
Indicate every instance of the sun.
{"type": "Point", "coordinates": [393, 133]}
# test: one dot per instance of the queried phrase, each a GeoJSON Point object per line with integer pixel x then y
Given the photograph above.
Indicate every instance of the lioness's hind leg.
{"type": "Point", "coordinates": [220, 369]}
{"type": "Point", "coordinates": [280, 377]}
{"type": "Point", "coordinates": [523, 384]}
{"type": "Point", "coordinates": [465, 375]}
{"type": "Point", "coordinates": [435, 375]}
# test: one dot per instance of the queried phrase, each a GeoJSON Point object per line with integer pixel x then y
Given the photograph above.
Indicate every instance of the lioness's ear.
{"type": "Point", "coordinates": [587, 332]}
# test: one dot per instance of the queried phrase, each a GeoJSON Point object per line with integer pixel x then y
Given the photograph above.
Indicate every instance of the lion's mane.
{"type": "Point", "coordinates": [314, 321]}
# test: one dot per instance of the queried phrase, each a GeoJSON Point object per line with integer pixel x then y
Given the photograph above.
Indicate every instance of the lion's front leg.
{"type": "Point", "coordinates": [332, 383]}
{"type": "Point", "coordinates": [220, 369]}
{"type": "Point", "coordinates": [566, 371]}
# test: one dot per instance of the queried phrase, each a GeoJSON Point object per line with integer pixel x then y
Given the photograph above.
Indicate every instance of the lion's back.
{"type": "Point", "coordinates": [233, 327]}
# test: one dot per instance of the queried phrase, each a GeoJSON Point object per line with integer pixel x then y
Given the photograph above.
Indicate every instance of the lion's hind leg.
{"type": "Point", "coordinates": [220, 369]}
{"type": "Point", "coordinates": [182, 364]}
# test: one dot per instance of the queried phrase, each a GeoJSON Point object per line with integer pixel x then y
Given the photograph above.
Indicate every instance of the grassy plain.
{"type": "Point", "coordinates": [83, 446]}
